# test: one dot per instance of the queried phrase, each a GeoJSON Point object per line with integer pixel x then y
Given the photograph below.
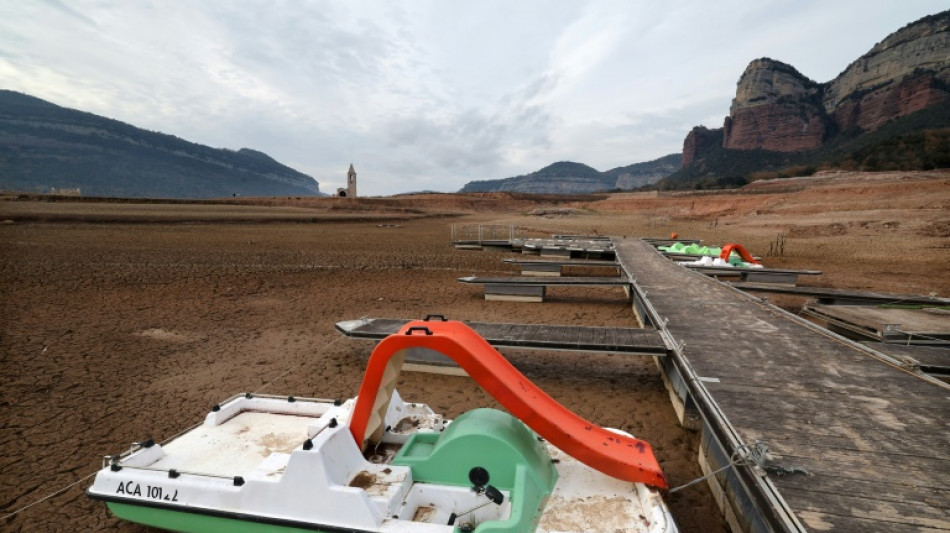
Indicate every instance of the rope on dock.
{"type": "Point", "coordinates": [755, 455]}
{"type": "Point", "coordinates": [296, 366]}
{"type": "Point", "coordinates": [48, 496]}
{"type": "Point", "coordinates": [912, 334]}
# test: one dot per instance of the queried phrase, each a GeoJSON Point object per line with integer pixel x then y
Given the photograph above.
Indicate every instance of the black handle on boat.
{"type": "Point", "coordinates": [440, 317]}
{"type": "Point", "coordinates": [479, 477]}
{"type": "Point", "coordinates": [494, 495]}
{"type": "Point", "coordinates": [418, 328]}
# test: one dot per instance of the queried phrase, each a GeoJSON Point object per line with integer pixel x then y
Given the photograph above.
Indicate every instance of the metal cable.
{"type": "Point", "coordinates": [746, 455]}
{"type": "Point", "coordinates": [43, 499]}
{"type": "Point", "coordinates": [189, 428]}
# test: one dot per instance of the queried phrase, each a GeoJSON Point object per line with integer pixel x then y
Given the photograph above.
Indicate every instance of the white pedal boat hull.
{"type": "Point", "coordinates": [267, 464]}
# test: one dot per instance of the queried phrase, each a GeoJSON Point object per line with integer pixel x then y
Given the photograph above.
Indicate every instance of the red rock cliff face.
{"type": "Point", "coordinates": [921, 47]}
{"type": "Point", "coordinates": [698, 140]}
{"type": "Point", "coordinates": [777, 108]}
{"type": "Point", "coordinates": [906, 72]}
{"type": "Point", "coordinates": [870, 111]}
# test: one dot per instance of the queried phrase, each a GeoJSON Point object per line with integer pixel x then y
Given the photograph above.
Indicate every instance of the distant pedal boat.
{"type": "Point", "coordinates": [378, 464]}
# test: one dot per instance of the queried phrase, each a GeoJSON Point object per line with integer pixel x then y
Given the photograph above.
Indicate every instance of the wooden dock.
{"type": "Point", "coordinates": [613, 340]}
{"type": "Point", "coordinates": [843, 296]}
{"type": "Point", "coordinates": [568, 248]}
{"type": "Point", "coordinates": [857, 443]}
{"type": "Point", "coordinates": [755, 275]}
{"type": "Point", "coordinates": [663, 241]}
{"type": "Point", "coordinates": [554, 268]}
{"type": "Point", "coordinates": [583, 237]}
{"type": "Point", "coordinates": [924, 326]}
{"type": "Point", "coordinates": [932, 360]}
{"type": "Point", "coordinates": [631, 341]}
{"type": "Point", "coordinates": [510, 238]}
{"type": "Point", "coordinates": [534, 289]}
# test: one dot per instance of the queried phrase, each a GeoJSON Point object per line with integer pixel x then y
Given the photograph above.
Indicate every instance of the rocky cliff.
{"type": "Point", "coordinates": [914, 92]}
{"type": "Point", "coordinates": [699, 141]}
{"type": "Point", "coordinates": [922, 47]}
{"type": "Point", "coordinates": [776, 108]}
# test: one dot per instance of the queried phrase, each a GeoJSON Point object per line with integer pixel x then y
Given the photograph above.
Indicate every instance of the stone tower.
{"type": "Point", "coordinates": [351, 182]}
{"type": "Point", "coordinates": [350, 190]}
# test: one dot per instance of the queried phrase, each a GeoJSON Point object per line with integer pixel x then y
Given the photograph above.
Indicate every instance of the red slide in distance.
{"type": "Point", "coordinates": [615, 455]}
{"type": "Point", "coordinates": [728, 249]}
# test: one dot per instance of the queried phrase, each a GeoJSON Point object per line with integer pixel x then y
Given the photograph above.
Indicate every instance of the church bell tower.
{"type": "Point", "coordinates": [350, 190]}
{"type": "Point", "coordinates": [351, 182]}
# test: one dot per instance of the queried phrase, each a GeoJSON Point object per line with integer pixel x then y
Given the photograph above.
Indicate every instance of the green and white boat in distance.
{"type": "Point", "coordinates": [377, 464]}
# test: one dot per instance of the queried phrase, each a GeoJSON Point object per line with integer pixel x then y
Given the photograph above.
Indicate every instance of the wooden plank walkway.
{"type": "Point", "coordinates": [719, 270]}
{"type": "Point", "coordinates": [581, 237]}
{"type": "Point", "coordinates": [753, 275]}
{"type": "Point", "coordinates": [873, 438]}
{"type": "Point", "coordinates": [843, 296]}
{"type": "Point", "coordinates": [885, 324]}
{"type": "Point", "coordinates": [591, 281]}
{"type": "Point", "coordinates": [633, 341]}
{"type": "Point", "coordinates": [582, 247]}
{"type": "Point", "coordinates": [930, 359]}
{"type": "Point", "coordinates": [565, 262]}
{"type": "Point", "coordinates": [554, 268]}
{"type": "Point", "coordinates": [591, 248]}
{"type": "Point", "coordinates": [664, 241]}
{"type": "Point", "coordinates": [534, 289]}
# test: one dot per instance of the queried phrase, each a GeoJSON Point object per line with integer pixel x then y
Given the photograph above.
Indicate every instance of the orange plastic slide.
{"type": "Point", "coordinates": [727, 249]}
{"type": "Point", "coordinates": [616, 455]}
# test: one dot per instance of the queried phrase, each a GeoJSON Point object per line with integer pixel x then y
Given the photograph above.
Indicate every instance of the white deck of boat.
{"type": "Point", "coordinates": [258, 446]}
{"type": "Point", "coordinates": [583, 496]}
{"type": "Point", "coordinates": [237, 446]}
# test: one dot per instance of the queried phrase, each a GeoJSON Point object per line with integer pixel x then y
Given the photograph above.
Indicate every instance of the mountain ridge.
{"type": "Point", "coordinates": [568, 177]}
{"type": "Point", "coordinates": [44, 146]}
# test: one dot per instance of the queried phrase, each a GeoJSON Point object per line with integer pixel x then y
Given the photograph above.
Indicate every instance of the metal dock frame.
{"type": "Point", "coordinates": [749, 502]}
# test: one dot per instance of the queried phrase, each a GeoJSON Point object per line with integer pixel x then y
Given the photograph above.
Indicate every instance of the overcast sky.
{"type": "Point", "coordinates": [426, 95]}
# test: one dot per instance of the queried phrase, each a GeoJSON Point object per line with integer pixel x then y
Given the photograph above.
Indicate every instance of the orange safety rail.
{"type": "Point", "coordinates": [616, 455]}
{"type": "Point", "coordinates": [728, 249]}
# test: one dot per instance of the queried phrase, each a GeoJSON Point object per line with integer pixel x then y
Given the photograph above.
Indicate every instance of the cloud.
{"type": "Point", "coordinates": [67, 10]}
{"type": "Point", "coordinates": [428, 94]}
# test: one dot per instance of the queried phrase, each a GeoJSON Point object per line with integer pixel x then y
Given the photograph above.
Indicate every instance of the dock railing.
{"type": "Point", "coordinates": [487, 232]}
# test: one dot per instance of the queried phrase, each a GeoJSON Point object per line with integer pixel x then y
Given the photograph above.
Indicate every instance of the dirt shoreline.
{"type": "Point", "coordinates": [122, 333]}
{"type": "Point", "coordinates": [116, 332]}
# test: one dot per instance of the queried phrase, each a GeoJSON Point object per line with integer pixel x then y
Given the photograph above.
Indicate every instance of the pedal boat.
{"type": "Point", "coordinates": [375, 463]}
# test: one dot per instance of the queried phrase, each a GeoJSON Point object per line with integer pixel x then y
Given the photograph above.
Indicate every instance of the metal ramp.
{"type": "Point", "coordinates": [631, 341]}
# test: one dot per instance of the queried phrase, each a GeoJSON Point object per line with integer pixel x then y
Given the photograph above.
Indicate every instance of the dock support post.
{"type": "Point", "coordinates": [505, 292]}
{"type": "Point", "coordinates": [536, 269]}
{"type": "Point", "coordinates": [686, 411]}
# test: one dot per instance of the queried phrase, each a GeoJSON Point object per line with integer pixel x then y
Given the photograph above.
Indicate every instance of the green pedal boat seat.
{"type": "Point", "coordinates": [512, 454]}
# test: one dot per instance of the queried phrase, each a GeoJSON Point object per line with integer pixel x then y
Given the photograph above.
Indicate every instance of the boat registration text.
{"type": "Point", "coordinates": [132, 488]}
